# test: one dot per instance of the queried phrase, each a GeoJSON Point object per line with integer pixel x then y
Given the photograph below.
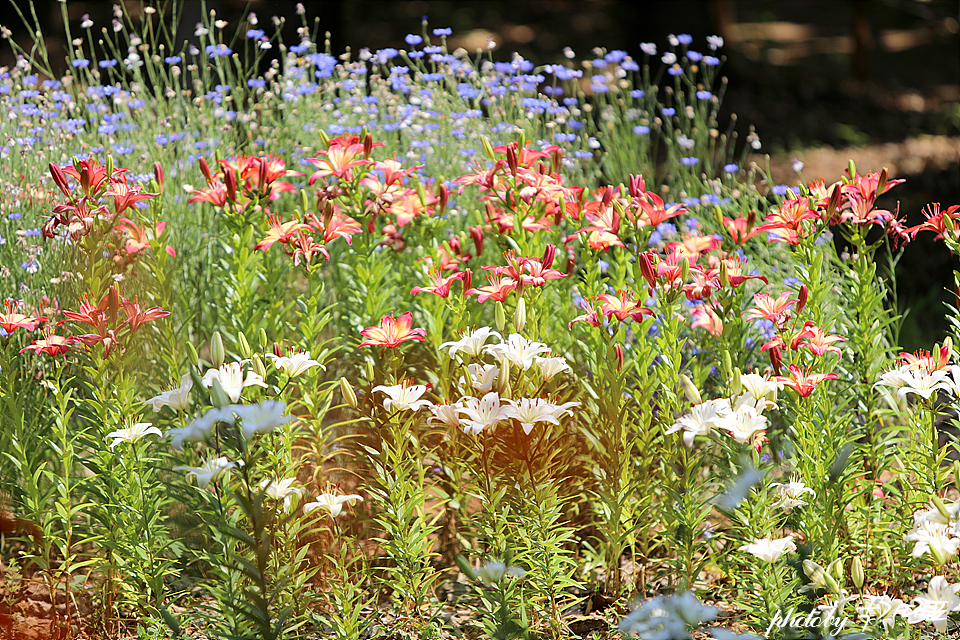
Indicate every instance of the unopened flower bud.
{"type": "Point", "coordinates": [263, 338]}
{"type": "Point", "coordinates": [348, 394]}
{"type": "Point", "coordinates": [487, 149]}
{"type": "Point", "coordinates": [230, 181]}
{"type": "Point", "coordinates": [192, 354]}
{"type": "Point", "coordinates": [618, 353]}
{"type": "Point", "coordinates": [548, 256]}
{"type": "Point", "coordinates": [735, 385]}
{"type": "Point", "coordinates": [802, 299]}
{"type": "Point", "coordinates": [216, 350]}
{"type": "Point", "coordinates": [218, 397]}
{"type": "Point", "coordinates": [815, 572]}
{"type": "Point", "coordinates": [500, 316]}
{"type": "Point", "coordinates": [368, 368]}
{"type": "Point", "coordinates": [690, 390]}
{"type": "Point", "coordinates": [724, 279]}
{"type": "Point", "coordinates": [258, 367]}
{"type": "Point", "coordinates": [856, 572]}
{"type": "Point", "coordinates": [520, 315]}
{"type": "Point", "coordinates": [503, 379]}
{"type": "Point", "coordinates": [60, 178]}
{"type": "Point", "coordinates": [467, 280]}
{"type": "Point", "coordinates": [324, 138]}
{"type": "Point", "coordinates": [942, 508]}
{"type": "Point", "coordinates": [476, 233]}
{"type": "Point", "coordinates": [367, 146]}
{"type": "Point", "coordinates": [243, 346]}
{"type": "Point", "coordinates": [158, 175]}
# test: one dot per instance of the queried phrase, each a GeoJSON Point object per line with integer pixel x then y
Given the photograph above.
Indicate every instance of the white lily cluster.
{"type": "Point", "coordinates": [475, 414]}
{"type": "Point", "coordinates": [911, 379]}
{"type": "Point", "coordinates": [936, 531]}
{"type": "Point", "coordinates": [667, 617]}
{"type": "Point", "coordinates": [742, 416]}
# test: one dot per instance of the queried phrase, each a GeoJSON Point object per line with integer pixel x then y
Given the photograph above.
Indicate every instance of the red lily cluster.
{"type": "Point", "coordinates": [85, 200]}
{"type": "Point", "coordinates": [926, 360]}
{"type": "Point", "coordinates": [242, 180]}
{"type": "Point", "coordinates": [642, 209]}
{"type": "Point", "coordinates": [852, 200]}
{"type": "Point", "coordinates": [519, 272]}
{"type": "Point", "coordinates": [622, 306]}
{"type": "Point", "coordinates": [102, 317]}
{"type": "Point", "coordinates": [301, 238]}
{"type": "Point", "coordinates": [810, 336]}
{"type": "Point", "coordinates": [944, 222]}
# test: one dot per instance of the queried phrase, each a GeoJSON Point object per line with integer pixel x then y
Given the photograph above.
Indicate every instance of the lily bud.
{"type": "Point", "coordinates": [368, 368]}
{"type": "Point", "coordinates": [637, 187]}
{"type": "Point", "coordinates": [218, 397]}
{"type": "Point", "coordinates": [685, 269]}
{"type": "Point", "coordinates": [647, 270]}
{"type": "Point", "coordinates": [158, 175]}
{"type": "Point", "coordinates": [443, 196]}
{"type": "Point", "coordinates": [500, 316]}
{"type": "Point", "coordinates": [856, 572]}
{"type": "Point", "coordinates": [513, 161]}
{"type": "Point", "coordinates": [487, 149]}
{"type": "Point", "coordinates": [802, 299]}
{"type": "Point", "coordinates": [262, 178]}
{"type": "Point", "coordinates": [724, 278]}
{"type": "Point", "coordinates": [192, 354]}
{"type": "Point", "coordinates": [548, 255]}
{"type": "Point", "coordinates": [834, 203]}
{"type": "Point", "coordinates": [367, 146]}
{"type": "Point", "coordinates": [520, 315]}
{"type": "Point", "coordinates": [216, 350]}
{"type": "Point", "coordinates": [243, 346]}
{"type": "Point", "coordinates": [324, 138]}
{"type": "Point", "coordinates": [60, 178]}
{"type": "Point", "coordinates": [690, 390]}
{"type": "Point", "coordinates": [263, 339]}
{"type": "Point", "coordinates": [942, 508]}
{"type": "Point", "coordinates": [503, 379]}
{"type": "Point", "coordinates": [815, 572]}
{"type": "Point", "coordinates": [258, 367]}
{"type": "Point", "coordinates": [467, 280]}
{"type": "Point", "coordinates": [776, 360]}
{"type": "Point", "coordinates": [205, 169]}
{"type": "Point", "coordinates": [736, 386]}
{"type": "Point", "coordinates": [476, 233]}
{"type": "Point", "coordinates": [230, 181]}
{"type": "Point", "coordinates": [348, 394]}
{"type": "Point", "coordinates": [618, 352]}
{"type": "Point", "coordinates": [851, 168]}
{"type": "Point", "coordinates": [882, 181]}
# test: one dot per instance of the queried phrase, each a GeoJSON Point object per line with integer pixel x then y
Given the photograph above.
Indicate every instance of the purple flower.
{"type": "Point", "coordinates": [731, 168]}
{"type": "Point", "coordinates": [637, 93]}
{"type": "Point", "coordinates": [704, 95]}
{"type": "Point", "coordinates": [641, 130]}
{"type": "Point", "coordinates": [668, 111]}
{"type": "Point", "coordinates": [81, 62]}
{"type": "Point", "coordinates": [710, 61]}
{"type": "Point", "coordinates": [412, 39]}
{"type": "Point", "coordinates": [104, 64]}
{"type": "Point", "coordinates": [442, 32]}
{"type": "Point", "coordinates": [685, 38]}
{"type": "Point", "coordinates": [689, 162]}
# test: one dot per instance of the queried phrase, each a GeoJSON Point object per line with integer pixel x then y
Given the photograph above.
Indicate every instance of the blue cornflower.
{"type": "Point", "coordinates": [641, 130]}
{"type": "Point", "coordinates": [675, 70]}
{"type": "Point", "coordinates": [218, 50]}
{"type": "Point", "coordinates": [668, 111]}
{"type": "Point", "coordinates": [122, 149]}
{"type": "Point", "coordinates": [106, 129]}
{"type": "Point", "coordinates": [30, 266]}
{"type": "Point", "coordinates": [173, 59]}
{"type": "Point", "coordinates": [255, 34]}
{"type": "Point", "coordinates": [433, 49]}
{"type": "Point", "coordinates": [108, 64]}
{"type": "Point", "coordinates": [704, 95]}
{"type": "Point", "coordinates": [467, 91]}
{"type": "Point", "coordinates": [412, 39]}
{"type": "Point", "coordinates": [415, 55]}
{"type": "Point", "coordinates": [685, 38]}
{"type": "Point", "coordinates": [689, 162]}
{"type": "Point", "coordinates": [301, 48]}
{"type": "Point", "coordinates": [710, 61]}
{"type": "Point", "coordinates": [432, 77]}
{"type": "Point", "coordinates": [780, 189]}
{"type": "Point", "coordinates": [13, 216]}
{"type": "Point", "coordinates": [3, 240]}
{"type": "Point", "coordinates": [630, 65]}
{"type": "Point", "coordinates": [691, 202]}
{"type": "Point", "coordinates": [693, 56]}
{"type": "Point", "coordinates": [648, 48]}
{"type": "Point", "coordinates": [730, 168]}
{"type": "Point", "coordinates": [442, 32]}
{"type": "Point", "coordinates": [583, 154]}
{"type": "Point", "coordinates": [616, 56]}
{"type": "Point", "coordinates": [259, 83]}
{"type": "Point", "coordinates": [81, 62]}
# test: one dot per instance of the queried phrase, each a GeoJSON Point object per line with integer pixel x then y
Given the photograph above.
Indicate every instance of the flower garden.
{"type": "Point", "coordinates": [417, 343]}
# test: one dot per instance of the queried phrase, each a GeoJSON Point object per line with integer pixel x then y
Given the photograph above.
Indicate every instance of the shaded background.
{"type": "Point", "coordinates": [821, 80]}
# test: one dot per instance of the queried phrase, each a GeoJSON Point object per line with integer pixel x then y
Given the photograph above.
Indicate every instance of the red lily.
{"type": "Point", "coordinates": [813, 338]}
{"type": "Point", "coordinates": [622, 308]}
{"type": "Point", "coordinates": [803, 381]}
{"type": "Point", "coordinates": [498, 289]}
{"type": "Point", "coordinates": [441, 285]}
{"type": "Point", "coordinates": [11, 320]}
{"type": "Point", "coordinates": [392, 332]}
{"type": "Point", "coordinates": [125, 196]}
{"type": "Point", "coordinates": [278, 231]}
{"type": "Point", "coordinates": [51, 344]}
{"type": "Point", "coordinates": [776, 311]}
